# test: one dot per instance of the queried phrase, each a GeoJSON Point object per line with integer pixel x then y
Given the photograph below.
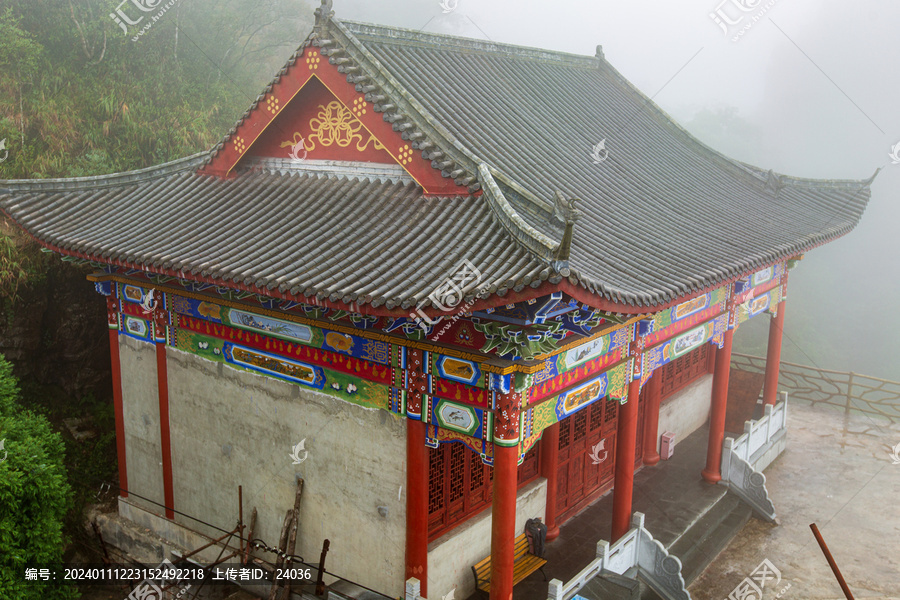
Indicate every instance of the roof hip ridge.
{"type": "Point", "coordinates": [539, 244]}
{"type": "Point", "coordinates": [407, 104]}
{"type": "Point", "coordinates": [184, 164]}
{"type": "Point", "coordinates": [469, 44]}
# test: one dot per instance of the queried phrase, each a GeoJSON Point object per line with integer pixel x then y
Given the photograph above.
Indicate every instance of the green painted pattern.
{"type": "Point", "coordinates": [367, 394]}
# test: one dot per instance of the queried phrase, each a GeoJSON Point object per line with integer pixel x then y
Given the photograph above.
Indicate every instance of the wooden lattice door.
{"type": "Point", "coordinates": [587, 442]}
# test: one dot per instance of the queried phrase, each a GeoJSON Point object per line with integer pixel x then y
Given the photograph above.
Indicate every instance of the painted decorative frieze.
{"type": "Point", "coordinates": [768, 301]}
{"type": "Point", "coordinates": [681, 344]}
{"type": "Point", "coordinates": [671, 322]}
{"type": "Point", "coordinates": [608, 386]}
{"type": "Point", "coordinates": [579, 363]}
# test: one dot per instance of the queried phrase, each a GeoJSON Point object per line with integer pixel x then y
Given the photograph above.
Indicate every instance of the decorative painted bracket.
{"type": "Point", "coordinates": [637, 556]}
{"type": "Point", "coordinates": [516, 343]}
{"type": "Point", "coordinates": [737, 455]}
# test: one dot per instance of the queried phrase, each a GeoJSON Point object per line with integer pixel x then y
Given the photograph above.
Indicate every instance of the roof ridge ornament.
{"type": "Point", "coordinates": [774, 182]}
{"type": "Point", "coordinates": [871, 179]}
{"type": "Point", "coordinates": [324, 14]}
{"type": "Point", "coordinates": [599, 53]}
{"type": "Point", "coordinates": [564, 209]}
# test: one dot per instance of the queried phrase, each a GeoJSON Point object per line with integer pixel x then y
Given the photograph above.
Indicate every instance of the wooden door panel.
{"type": "Point", "coordinates": [578, 478]}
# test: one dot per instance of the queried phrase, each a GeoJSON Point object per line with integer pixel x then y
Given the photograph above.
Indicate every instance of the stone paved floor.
{"type": "Point", "coordinates": [671, 495]}
{"type": "Point", "coordinates": [842, 478]}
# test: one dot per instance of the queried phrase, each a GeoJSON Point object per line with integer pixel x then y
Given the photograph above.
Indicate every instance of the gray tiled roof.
{"type": "Point", "coordinates": [662, 217]}
{"type": "Point", "coordinates": [293, 229]}
{"type": "Point", "coordinates": [664, 214]}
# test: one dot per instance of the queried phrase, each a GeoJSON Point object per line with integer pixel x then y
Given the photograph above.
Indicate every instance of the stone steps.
{"type": "Point", "coordinates": [706, 538]}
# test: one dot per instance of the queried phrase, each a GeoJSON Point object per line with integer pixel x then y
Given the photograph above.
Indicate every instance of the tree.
{"type": "Point", "coordinates": [78, 97]}
{"type": "Point", "coordinates": [34, 495]}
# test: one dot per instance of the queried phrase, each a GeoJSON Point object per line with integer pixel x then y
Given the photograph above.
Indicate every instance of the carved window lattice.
{"type": "Point", "coordinates": [457, 471]}
{"type": "Point", "coordinates": [597, 415]}
{"type": "Point", "coordinates": [435, 482]}
{"type": "Point", "coordinates": [682, 371]}
{"type": "Point", "coordinates": [477, 477]}
{"type": "Point", "coordinates": [564, 437]}
{"type": "Point", "coordinates": [529, 468]}
{"type": "Point", "coordinates": [579, 425]}
{"type": "Point", "coordinates": [612, 409]}
{"type": "Point", "coordinates": [454, 469]}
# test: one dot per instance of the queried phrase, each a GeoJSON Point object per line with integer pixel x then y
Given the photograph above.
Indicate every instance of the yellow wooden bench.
{"type": "Point", "coordinates": [525, 564]}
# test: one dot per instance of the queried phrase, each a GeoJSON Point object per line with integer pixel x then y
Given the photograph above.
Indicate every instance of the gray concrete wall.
{"type": "Point", "coordinates": [451, 556]}
{"type": "Point", "coordinates": [686, 411]}
{"type": "Point", "coordinates": [140, 400]}
{"type": "Point", "coordinates": [231, 427]}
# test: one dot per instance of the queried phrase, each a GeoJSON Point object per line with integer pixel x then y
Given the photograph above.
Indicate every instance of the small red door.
{"type": "Point", "coordinates": [587, 443]}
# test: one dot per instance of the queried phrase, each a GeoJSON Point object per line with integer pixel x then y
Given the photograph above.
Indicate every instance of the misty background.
{"type": "Point", "coordinates": [811, 90]}
{"type": "Point", "coordinates": [819, 97]}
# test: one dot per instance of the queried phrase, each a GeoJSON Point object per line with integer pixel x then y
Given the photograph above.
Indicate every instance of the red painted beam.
{"type": "Point", "coordinates": [550, 470]}
{"type": "Point", "coordinates": [626, 448]}
{"type": "Point", "coordinates": [162, 379]}
{"type": "Point", "coordinates": [773, 355]}
{"type": "Point", "coordinates": [417, 503]}
{"type": "Point", "coordinates": [119, 409]}
{"type": "Point", "coordinates": [712, 472]}
{"type": "Point", "coordinates": [651, 419]}
{"type": "Point", "coordinates": [503, 522]}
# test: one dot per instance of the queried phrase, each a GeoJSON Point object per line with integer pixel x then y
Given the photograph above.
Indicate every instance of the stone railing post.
{"type": "Point", "coordinates": [556, 590]}
{"type": "Point", "coordinates": [413, 589]}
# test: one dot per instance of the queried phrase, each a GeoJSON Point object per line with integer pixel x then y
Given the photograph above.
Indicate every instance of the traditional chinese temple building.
{"type": "Point", "coordinates": [412, 253]}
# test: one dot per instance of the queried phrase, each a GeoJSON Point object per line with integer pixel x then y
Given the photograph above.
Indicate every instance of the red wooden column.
{"type": "Point", "coordinates": [717, 411]}
{"type": "Point", "coordinates": [651, 418]}
{"type": "Point", "coordinates": [503, 511]}
{"type": "Point", "coordinates": [160, 323]}
{"type": "Point", "coordinates": [550, 470]}
{"type": "Point", "coordinates": [626, 439]}
{"type": "Point", "coordinates": [112, 312]}
{"type": "Point", "coordinates": [626, 446]}
{"type": "Point", "coordinates": [417, 503]}
{"type": "Point", "coordinates": [773, 355]}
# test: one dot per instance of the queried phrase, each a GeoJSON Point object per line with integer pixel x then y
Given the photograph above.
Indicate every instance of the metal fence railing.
{"type": "Point", "coordinates": [844, 390]}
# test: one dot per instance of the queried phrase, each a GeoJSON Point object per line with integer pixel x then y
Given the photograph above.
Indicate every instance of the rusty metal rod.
{"type": "Point", "coordinates": [320, 579]}
{"type": "Point", "coordinates": [830, 559]}
{"type": "Point", "coordinates": [212, 543]}
{"type": "Point", "coordinates": [241, 520]}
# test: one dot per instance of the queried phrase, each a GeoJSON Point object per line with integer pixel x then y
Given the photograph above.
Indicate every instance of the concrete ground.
{"type": "Point", "coordinates": [841, 477]}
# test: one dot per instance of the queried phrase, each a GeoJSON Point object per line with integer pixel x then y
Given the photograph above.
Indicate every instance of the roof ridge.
{"type": "Point", "coordinates": [413, 37]}
{"type": "Point", "coordinates": [405, 96]}
{"type": "Point", "coordinates": [532, 239]}
{"type": "Point", "coordinates": [542, 246]}
{"type": "Point", "coordinates": [187, 163]}
{"type": "Point", "coordinates": [329, 168]}
{"type": "Point", "coordinates": [764, 176]}
{"type": "Point", "coordinates": [272, 82]}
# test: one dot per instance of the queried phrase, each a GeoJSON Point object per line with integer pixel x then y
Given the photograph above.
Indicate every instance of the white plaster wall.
{"type": "Point", "coordinates": [686, 411]}
{"type": "Point", "coordinates": [451, 556]}
{"type": "Point", "coordinates": [140, 403]}
{"type": "Point", "coordinates": [233, 428]}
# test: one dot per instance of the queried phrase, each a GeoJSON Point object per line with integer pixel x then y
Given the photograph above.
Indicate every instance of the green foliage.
{"type": "Point", "coordinates": [87, 100]}
{"type": "Point", "coordinates": [92, 460]}
{"type": "Point", "coordinates": [21, 264]}
{"type": "Point", "coordinates": [34, 494]}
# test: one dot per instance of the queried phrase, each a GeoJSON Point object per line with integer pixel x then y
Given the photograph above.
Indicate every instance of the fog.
{"type": "Point", "coordinates": [810, 90]}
